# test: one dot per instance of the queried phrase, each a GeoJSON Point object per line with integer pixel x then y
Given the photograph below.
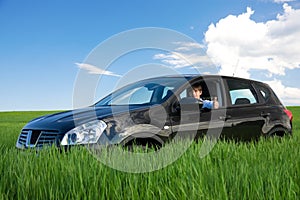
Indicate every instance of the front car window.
{"type": "Point", "coordinates": [151, 91]}
{"type": "Point", "coordinates": [139, 95]}
{"type": "Point", "coordinates": [211, 88]}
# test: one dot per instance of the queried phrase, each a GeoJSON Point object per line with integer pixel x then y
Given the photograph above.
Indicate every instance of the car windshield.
{"type": "Point", "coordinates": [150, 91]}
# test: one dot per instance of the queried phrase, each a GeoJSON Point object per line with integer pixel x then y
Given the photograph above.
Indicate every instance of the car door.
{"type": "Point", "coordinates": [194, 122]}
{"type": "Point", "coordinates": [244, 111]}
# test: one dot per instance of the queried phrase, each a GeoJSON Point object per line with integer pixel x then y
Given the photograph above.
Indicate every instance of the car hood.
{"type": "Point", "coordinates": [67, 120]}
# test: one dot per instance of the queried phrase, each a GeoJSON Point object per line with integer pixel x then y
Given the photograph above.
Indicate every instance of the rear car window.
{"type": "Point", "coordinates": [264, 91]}
{"type": "Point", "coordinates": [241, 92]}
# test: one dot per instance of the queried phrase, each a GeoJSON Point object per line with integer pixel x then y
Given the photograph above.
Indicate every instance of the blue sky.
{"type": "Point", "coordinates": [41, 42]}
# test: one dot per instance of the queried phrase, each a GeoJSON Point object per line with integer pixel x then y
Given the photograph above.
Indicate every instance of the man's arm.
{"type": "Point", "coordinates": [211, 104]}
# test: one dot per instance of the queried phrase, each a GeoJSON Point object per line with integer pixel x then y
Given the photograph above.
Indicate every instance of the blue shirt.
{"type": "Point", "coordinates": [207, 104]}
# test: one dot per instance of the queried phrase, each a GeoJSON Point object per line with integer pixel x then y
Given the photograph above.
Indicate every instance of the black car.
{"type": "Point", "coordinates": [155, 110]}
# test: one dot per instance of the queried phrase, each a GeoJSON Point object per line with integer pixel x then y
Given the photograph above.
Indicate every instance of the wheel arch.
{"type": "Point", "coordinates": [143, 139]}
{"type": "Point", "coordinates": [279, 130]}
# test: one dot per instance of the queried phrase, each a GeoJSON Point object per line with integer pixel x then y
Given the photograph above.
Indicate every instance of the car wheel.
{"type": "Point", "coordinates": [278, 132]}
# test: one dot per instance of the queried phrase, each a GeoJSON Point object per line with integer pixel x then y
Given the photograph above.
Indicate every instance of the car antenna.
{"type": "Point", "coordinates": [237, 63]}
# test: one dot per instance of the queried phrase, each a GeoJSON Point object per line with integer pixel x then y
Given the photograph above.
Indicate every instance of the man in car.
{"type": "Point", "coordinates": [197, 92]}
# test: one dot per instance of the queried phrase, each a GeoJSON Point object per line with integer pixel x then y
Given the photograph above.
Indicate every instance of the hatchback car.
{"type": "Point", "coordinates": [155, 110]}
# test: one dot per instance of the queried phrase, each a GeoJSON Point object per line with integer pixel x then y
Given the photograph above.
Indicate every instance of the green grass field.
{"type": "Point", "coordinates": [268, 169]}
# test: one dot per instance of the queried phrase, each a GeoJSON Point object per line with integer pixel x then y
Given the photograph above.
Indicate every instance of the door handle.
{"type": "Point", "coordinates": [224, 118]}
{"type": "Point", "coordinates": [263, 114]}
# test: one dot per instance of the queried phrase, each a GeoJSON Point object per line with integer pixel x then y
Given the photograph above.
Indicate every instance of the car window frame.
{"type": "Point", "coordinates": [223, 94]}
{"type": "Point", "coordinates": [250, 82]}
{"type": "Point", "coordinates": [262, 99]}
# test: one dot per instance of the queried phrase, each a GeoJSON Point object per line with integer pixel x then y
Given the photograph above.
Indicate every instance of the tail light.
{"type": "Point", "coordinates": [289, 114]}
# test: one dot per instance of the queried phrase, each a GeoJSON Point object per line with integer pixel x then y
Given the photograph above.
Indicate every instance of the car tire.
{"type": "Point", "coordinates": [278, 132]}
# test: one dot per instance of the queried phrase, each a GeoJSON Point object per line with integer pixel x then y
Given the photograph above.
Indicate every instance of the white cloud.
{"type": "Point", "coordinates": [282, 1]}
{"type": "Point", "coordinates": [188, 46]}
{"type": "Point", "coordinates": [238, 44]}
{"type": "Point", "coordinates": [180, 60]}
{"type": "Point", "coordinates": [289, 95]}
{"type": "Point", "coordinates": [185, 55]}
{"type": "Point", "coordinates": [173, 59]}
{"type": "Point", "coordinates": [91, 69]}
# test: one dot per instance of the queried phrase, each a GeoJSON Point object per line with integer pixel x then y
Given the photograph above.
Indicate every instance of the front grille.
{"type": "Point", "coordinates": [47, 137]}
{"type": "Point", "coordinates": [37, 138]}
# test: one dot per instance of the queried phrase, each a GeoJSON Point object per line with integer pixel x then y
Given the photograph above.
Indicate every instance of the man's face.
{"type": "Point", "coordinates": [197, 91]}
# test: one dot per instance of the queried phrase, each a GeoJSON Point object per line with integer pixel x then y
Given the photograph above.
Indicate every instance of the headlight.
{"type": "Point", "coordinates": [87, 133]}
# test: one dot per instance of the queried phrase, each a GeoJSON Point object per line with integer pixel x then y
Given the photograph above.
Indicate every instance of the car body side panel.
{"type": "Point", "coordinates": [275, 117]}
{"type": "Point", "coordinates": [142, 123]}
{"type": "Point", "coordinates": [247, 122]}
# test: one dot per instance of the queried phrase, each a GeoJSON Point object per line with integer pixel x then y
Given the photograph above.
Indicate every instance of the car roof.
{"type": "Point", "coordinates": [195, 76]}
